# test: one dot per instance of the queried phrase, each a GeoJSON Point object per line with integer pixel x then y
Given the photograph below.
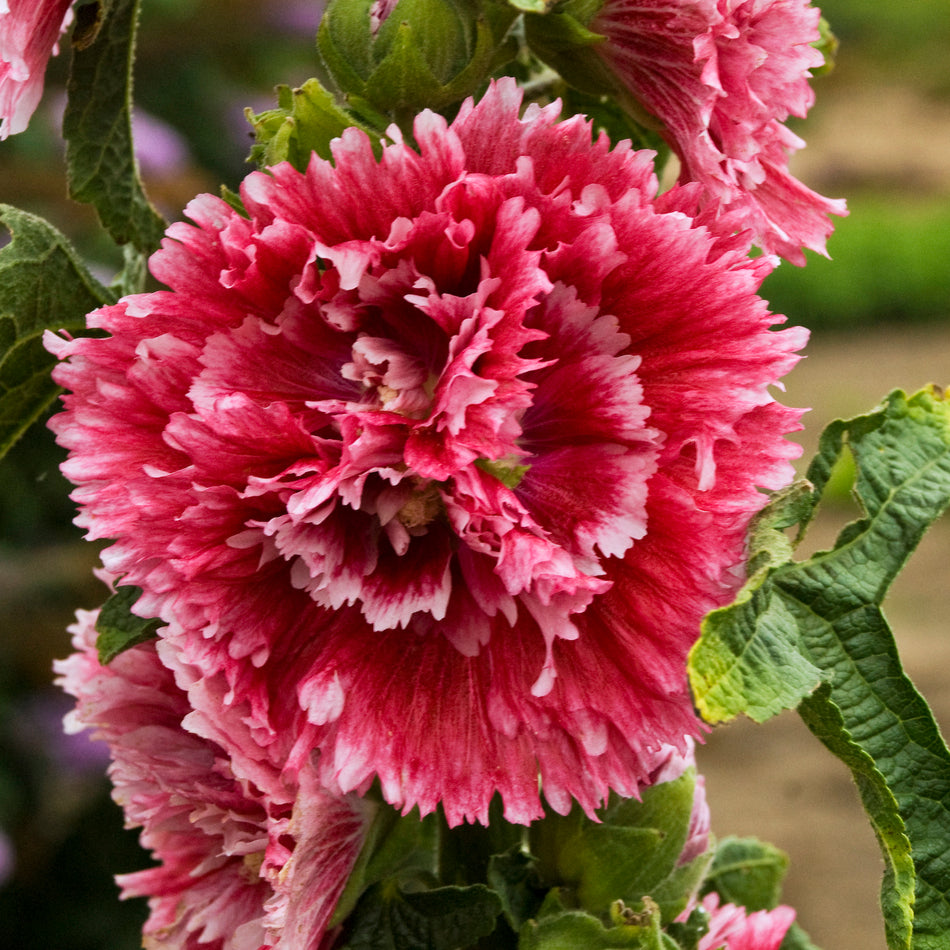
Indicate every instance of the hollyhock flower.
{"type": "Point", "coordinates": [723, 76]}
{"type": "Point", "coordinates": [437, 461]}
{"type": "Point", "coordinates": [29, 30]}
{"type": "Point", "coordinates": [241, 866]}
{"type": "Point", "coordinates": [730, 927]}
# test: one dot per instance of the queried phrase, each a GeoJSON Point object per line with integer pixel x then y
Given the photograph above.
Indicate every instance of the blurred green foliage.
{"type": "Point", "coordinates": [888, 264]}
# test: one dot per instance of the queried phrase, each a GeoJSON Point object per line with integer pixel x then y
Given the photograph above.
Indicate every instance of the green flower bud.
{"type": "Point", "coordinates": [828, 45]}
{"type": "Point", "coordinates": [420, 54]}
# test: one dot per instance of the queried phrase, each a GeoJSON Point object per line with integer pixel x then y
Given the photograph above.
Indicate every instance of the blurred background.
{"type": "Point", "coordinates": [879, 310]}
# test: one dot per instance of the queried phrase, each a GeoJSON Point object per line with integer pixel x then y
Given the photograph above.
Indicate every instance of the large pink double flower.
{"type": "Point", "coordinates": [434, 462]}
{"type": "Point", "coordinates": [722, 76]}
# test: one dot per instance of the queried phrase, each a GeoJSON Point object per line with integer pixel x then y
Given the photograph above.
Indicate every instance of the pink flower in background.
{"type": "Point", "coordinates": [434, 463]}
{"type": "Point", "coordinates": [730, 927]}
{"type": "Point", "coordinates": [241, 866]}
{"type": "Point", "coordinates": [29, 30]}
{"type": "Point", "coordinates": [723, 76]}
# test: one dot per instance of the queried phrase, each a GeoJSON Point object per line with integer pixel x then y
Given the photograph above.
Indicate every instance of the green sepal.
{"type": "Point", "coordinates": [131, 278]}
{"type": "Point", "coordinates": [233, 200]}
{"type": "Point", "coordinates": [118, 628]}
{"type": "Point", "coordinates": [563, 41]}
{"type": "Point", "coordinates": [306, 120]}
{"type": "Point", "coordinates": [631, 853]}
{"type": "Point", "coordinates": [43, 286]}
{"type": "Point", "coordinates": [825, 614]}
{"type": "Point", "coordinates": [444, 918]}
{"type": "Point", "coordinates": [748, 873]}
{"type": "Point", "coordinates": [97, 126]}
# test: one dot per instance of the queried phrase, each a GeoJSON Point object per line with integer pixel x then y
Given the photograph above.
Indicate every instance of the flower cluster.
{"type": "Point", "coordinates": [429, 461]}
{"type": "Point", "coordinates": [29, 30]}
{"type": "Point", "coordinates": [723, 76]}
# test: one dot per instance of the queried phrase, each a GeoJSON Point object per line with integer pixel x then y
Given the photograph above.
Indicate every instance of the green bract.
{"type": "Point", "coordinates": [305, 121]}
{"type": "Point", "coordinates": [627, 861]}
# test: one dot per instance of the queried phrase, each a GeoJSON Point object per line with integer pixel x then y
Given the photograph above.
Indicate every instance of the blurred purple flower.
{"type": "Point", "coordinates": [38, 726]}
{"type": "Point", "coordinates": [160, 150]}
{"type": "Point", "coordinates": [297, 16]}
{"type": "Point", "coordinates": [7, 857]}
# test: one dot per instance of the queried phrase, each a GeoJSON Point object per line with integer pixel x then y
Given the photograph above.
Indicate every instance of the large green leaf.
{"type": "Point", "coordinates": [43, 286]}
{"type": "Point", "coordinates": [812, 634]}
{"type": "Point", "coordinates": [97, 126]}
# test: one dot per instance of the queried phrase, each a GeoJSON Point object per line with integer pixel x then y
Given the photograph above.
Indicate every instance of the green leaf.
{"type": "Point", "coordinates": [43, 286]}
{"type": "Point", "coordinates": [397, 848]}
{"type": "Point", "coordinates": [89, 20]}
{"type": "Point", "coordinates": [749, 658]}
{"type": "Point", "coordinates": [118, 628]}
{"type": "Point", "coordinates": [444, 918]}
{"type": "Point", "coordinates": [514, 877]}
{"type": "Point", "coordinates": [824, 615]}
{"type": "Point", "coordinates": [748, 873]}
{"type": "Point", "coordinates": [97, 127]}
{"type": "Point", "coordinates": [630, 854]}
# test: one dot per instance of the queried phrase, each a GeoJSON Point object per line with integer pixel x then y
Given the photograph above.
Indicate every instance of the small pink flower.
{"type": "Point", "coordinates": [29, 30]}
{"type": "Point", "coordinates": [242, 864]}
{"type": "Point", "coordinates": [730, 927]}
{"type": "Point", "coordinates": [436, 462]}
{"type": "Point", "coordinates": [723, 76]}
